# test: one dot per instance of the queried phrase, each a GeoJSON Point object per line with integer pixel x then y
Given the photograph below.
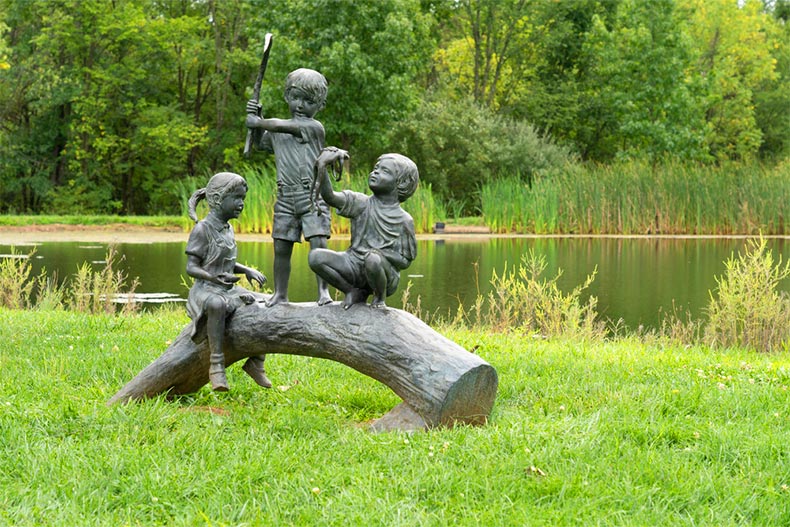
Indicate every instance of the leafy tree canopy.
{"type": "Point", "coordinates": [108, 105]}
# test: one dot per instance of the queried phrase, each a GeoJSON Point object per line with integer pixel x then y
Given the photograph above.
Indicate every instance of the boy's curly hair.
{"type": "Point", "coordinates": [310, 81]}
{"type": "Point", "coordinates": [408, 176]}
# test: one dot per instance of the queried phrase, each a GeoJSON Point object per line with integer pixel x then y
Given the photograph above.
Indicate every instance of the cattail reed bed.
{"type": "Point", "coordinates": [636, 198]}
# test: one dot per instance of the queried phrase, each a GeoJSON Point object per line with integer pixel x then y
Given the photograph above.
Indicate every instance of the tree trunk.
{"type": "Point", "coordinates": [441, 384]}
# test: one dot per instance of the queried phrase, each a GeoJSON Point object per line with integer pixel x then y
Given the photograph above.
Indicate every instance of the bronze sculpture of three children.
{"type": "Point", "coordinates": [382, 244]}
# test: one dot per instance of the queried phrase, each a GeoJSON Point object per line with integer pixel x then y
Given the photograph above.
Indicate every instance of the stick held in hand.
{"type": "Point", "coordinates": [256, 88]}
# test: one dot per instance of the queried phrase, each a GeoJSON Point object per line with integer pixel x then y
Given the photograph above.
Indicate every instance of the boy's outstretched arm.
{"type": "Point", "coordinates": [329, 156]}
{"type": "Point", "coordinates": [255, 122]}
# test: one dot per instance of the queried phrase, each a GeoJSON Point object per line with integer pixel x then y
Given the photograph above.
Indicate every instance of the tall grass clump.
{"type": "Point", "coordinates": [747, 310]}
{"type": "Point", "coordinates": [87, 291]}
{"type": "Point", "coordinates": [16, 284]}
{"type": "Point", "coordinates": [511, 205]}
{"type": "Point", "coordinates": [423, 208]}
{"type": "Point", "coordinates": [102, 291]}
{"type": "Point", "coordinates": [636, 197]}
{"type": "Point", "coordinates": [524, 300]}
{"type": "Point", "coordinates": [20, 290]}
{"type": "Point", "coordinates": [258, 214]}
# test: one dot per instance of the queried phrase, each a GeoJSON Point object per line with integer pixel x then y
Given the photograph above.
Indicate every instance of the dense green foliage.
{"type": "Point", "coordinates": [461, 146]}
{"type": "Point", "coordinates": [106, 107]}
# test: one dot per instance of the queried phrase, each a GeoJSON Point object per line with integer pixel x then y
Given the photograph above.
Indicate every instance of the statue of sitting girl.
{"type": "Point", "coordinates": [211, 261]}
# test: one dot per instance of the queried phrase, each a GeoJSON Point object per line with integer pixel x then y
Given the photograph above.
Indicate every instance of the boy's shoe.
{"type": "Point", "coordinates": [257, 373]}
{"type": "Point", "coordinates": [219, 383]}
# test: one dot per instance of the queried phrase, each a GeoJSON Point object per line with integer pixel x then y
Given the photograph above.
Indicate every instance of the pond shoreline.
{"type": "Point", "coordinates": [636, 277]}
{"type": "Point", "coordinates": [123, 233]}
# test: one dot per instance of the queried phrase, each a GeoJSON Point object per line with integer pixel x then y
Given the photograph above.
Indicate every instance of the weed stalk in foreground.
{"type": "Point", "coordinates": [748, 311]}
{"type": "Point", "coordinates": [87, 291]}
{"type": "Point", "coordinates": [524, 300]}
{"type": "Point", "coordinates": [16, 287]}
{"type": "Point", "coordinates": [102, 291]}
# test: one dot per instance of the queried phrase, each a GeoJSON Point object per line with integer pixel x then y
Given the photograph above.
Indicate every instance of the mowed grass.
{"type": "Point", "coordinates": [606, 433]}
{"type": "Point", "coordinates": [22, 220]}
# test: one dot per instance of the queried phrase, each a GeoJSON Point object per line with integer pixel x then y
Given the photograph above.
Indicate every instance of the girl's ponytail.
{"type": "Point", "coordinates": [193, 201]}
{"type": "Point", "coordinates": [216, 189]}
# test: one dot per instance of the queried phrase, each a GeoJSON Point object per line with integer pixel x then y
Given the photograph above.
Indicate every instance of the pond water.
{"type": "Point", "coordinates": [637, 278]}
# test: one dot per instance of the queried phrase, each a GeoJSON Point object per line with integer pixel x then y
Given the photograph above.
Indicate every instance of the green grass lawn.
{"type": "Point", "coordinates": [610, 433]}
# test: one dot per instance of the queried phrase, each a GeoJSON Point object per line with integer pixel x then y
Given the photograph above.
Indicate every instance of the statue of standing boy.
{"type": "Point", "coordinates": [296, 143]}
{"type": "Point", "coordinates": [382, 233]}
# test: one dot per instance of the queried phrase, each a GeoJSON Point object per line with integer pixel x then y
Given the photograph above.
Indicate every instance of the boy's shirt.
{"type": "Point", "coordinates": [295, 156]}
{"type": "Point", "coordinates": [376, 225]}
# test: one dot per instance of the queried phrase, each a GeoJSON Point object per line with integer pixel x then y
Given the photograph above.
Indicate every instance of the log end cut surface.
{"type": "Point", "coordinates": [471, 398]}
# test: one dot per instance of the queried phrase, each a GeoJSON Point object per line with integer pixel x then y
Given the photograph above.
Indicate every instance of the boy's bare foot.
{"type": "Point", "coordinates": [253, 368]}
{"type": "Point", "coordinates": [355, 296]}
{"type": "Point", "coordinates": [324, 300]}
{"type": "Point", "coordinates": [277, 299]}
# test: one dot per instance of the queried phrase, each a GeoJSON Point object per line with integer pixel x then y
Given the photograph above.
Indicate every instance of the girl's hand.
{"type": "Point", "coordinates": [255, 276]}
{"type": "Point", "coordinates": [227, 279]}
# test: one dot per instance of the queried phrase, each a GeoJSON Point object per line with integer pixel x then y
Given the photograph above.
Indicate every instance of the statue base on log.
{"type": "Point", "coordinates": [441, 383]}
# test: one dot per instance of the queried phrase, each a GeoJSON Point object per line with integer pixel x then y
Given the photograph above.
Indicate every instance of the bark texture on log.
{"type": "Point", "coordinates": [441, 383]}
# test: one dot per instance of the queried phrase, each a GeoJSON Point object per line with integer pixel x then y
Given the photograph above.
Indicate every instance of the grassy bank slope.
{"type": "Point", "coordinates": [608, 433]}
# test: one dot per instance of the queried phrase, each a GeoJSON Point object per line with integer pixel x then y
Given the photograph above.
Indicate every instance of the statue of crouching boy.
{"type": "Point", "coordinates": [382, 233]}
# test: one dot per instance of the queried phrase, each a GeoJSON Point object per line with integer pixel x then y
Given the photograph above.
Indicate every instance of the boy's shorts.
{"type": "Point", "coordinates": [356, 263]}
{"type": "Point", "coordinates": [295, 217]}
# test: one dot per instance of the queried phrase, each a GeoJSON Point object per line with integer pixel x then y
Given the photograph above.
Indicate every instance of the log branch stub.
{"type": "Point", "coordinates": [441, 383]}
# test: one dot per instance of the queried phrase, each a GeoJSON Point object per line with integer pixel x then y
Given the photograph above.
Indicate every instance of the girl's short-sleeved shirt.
{"type": "Point", "coordinates": [213, 242]}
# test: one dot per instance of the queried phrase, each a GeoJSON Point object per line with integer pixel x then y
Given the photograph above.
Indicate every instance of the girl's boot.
{"type": "Point", "coordinates": [254, 368]}
{"type": "Point", "coordinates": [216, 371]}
